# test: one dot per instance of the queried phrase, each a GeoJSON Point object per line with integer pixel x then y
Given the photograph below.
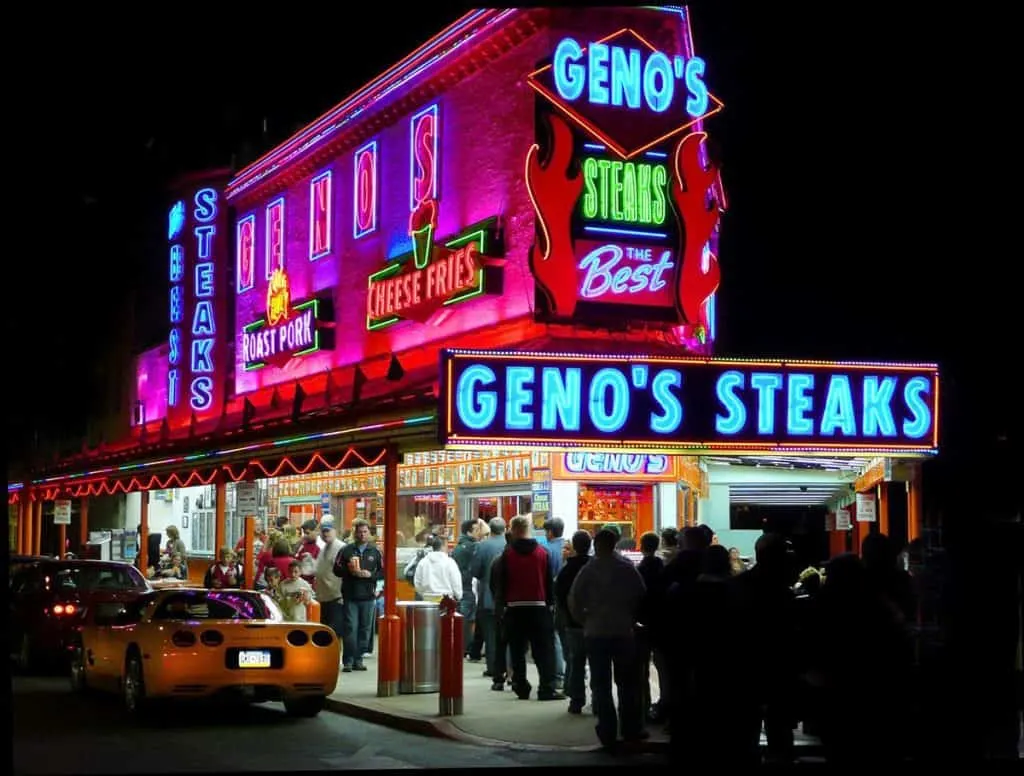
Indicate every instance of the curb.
{"type": "Point", "coordinates": [444, 728]}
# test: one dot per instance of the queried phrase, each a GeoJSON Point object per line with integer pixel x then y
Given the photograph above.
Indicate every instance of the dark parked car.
{"type": "Point", "coordinates": [48, 596]}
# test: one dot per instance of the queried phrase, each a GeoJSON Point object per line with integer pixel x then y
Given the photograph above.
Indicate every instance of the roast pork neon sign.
{"type": "Point", "coordinates": [287, 330]}
{"type": "Point", "coordinates": [615, 463]}
{"type": "Point", "coordinates": [624, 92]}
{"type": "Point", "coordinates": [687, 403]}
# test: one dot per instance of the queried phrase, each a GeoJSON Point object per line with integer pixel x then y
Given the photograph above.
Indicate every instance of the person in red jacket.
{"type": "Point", "coordinates": [308, 551]}
{"type": "Point", "coordinates": [524, 594]}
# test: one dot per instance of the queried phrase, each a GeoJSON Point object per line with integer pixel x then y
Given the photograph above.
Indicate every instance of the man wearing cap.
{"type": "Point", "coordinates": [326, 583]}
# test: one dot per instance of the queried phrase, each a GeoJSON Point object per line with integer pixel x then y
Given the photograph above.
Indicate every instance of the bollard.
{"type": "Point", "coordinates": [450, 703]}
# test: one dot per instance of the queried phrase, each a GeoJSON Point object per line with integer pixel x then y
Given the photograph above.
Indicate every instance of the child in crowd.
{"type": "Point", "coordinates": [294, 594]}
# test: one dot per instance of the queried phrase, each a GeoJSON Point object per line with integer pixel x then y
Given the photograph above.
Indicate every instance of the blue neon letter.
{"type": "Point", "coordinates": [202, 393]}
{"type": "Point", "coordinates": [474, 407]}
{"type": "Point", "coordinates": [671, 416]}
{"type": "Point", "coordinates": [736, 419]}
{"type": "Point", "coordinates": [202, 320]}
{"type": "Point", "coordinates": [797, 422]}
{"type": "Point", "coordinates": [206, 205]}
{"type": "Point", "coordinates": [604, 421]}
{"type": "Point", "coordinates": [626, 77]}
{"type": "Point", "coordinates": [203, 236]}
{"type": "Point", "coordinates": [561, 399]}
{"type": "Point", "coordinates": [518, 397]}
{"type": "Point", "coordinates": [766, 384]}
{"type": "Point", "coordinates": [922, 421]}
{"type": "Point", "coordinates": [569, 78]}
{"type": "Point", "coordinates": [177, 263]}
{"type": "Point", "coordinates": [173, 379]}
{"type": "Point", "coordinates": [202, 360]}
{"type": "Point", "coordinates": [878, 406]}
{"type": "Point", "coordinates": [598, 55]}
{"type": "Point", "coordinates": [658, 83]}
{"type": "Point", "coordinates": [204, 279]}
{"type": "Point", "coordinates": [838, 412]}
{"type": "Point", "coordinates": [697, 102]}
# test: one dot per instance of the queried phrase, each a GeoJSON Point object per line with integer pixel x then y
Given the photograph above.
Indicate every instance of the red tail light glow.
{"type": "Point", "coordinates": [65, 609]}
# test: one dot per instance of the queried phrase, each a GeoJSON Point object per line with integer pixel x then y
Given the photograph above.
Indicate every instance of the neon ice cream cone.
{"type": "Point", "coordinates": [422, 223]}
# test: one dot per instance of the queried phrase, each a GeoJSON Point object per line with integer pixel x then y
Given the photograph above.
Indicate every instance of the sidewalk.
{"type": "Point", "coordinates": [489, 718]}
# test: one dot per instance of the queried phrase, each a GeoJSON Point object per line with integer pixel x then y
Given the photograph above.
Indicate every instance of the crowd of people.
{"type": "Point", "coordinates": [737, 648]}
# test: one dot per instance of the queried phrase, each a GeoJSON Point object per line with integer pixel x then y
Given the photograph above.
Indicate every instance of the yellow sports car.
{"type": "Point", "coordinates": [198, 643]}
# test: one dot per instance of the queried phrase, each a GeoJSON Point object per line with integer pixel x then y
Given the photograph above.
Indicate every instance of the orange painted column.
{"type": "Point", "coordinates": [24, 519]}
{"type": "Point", "coordinates": [220, 515]}
{"type": "Point", "coordinates": [883, 508]}
{"type": "Point", "coordinates": [37, 540]}
{"type": "Point", "coordinates": [62, 537]}
{"type": "Point", "coordinates": [389, 627]}
{"type": "Point", "coordinates": [83, 525]}
{"type": "Point", "coordinates": [144, 558]}
{"type": "Point", "coordinates": [915, 511]}
{"type": "Point", "coordinates": [248, 564]}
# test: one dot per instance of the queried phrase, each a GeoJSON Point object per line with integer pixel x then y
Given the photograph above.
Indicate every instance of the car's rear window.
{"type": "Point", "coordinates": [216, 605]}
{"type": "Point", "coordinates": [95, 578]}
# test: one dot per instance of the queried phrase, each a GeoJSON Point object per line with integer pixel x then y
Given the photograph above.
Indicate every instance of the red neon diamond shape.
{"type": "Point", "coordinates": [626, 132]}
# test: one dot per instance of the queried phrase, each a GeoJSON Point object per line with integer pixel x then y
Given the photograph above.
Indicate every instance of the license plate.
{"type": "Point", "coordinates": [254, 658]}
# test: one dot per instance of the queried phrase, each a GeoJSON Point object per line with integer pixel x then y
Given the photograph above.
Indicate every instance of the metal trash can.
{"type": "Point", "coordinates": [420, 668]}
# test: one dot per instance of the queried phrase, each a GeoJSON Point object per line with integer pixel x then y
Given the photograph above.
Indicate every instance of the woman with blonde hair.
{"type": "Point", "coordinates": [175, 546]}
{"type": "Point", "coordinates": [736, 564]}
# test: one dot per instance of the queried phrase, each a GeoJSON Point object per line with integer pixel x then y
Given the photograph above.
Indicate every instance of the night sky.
{"type": "Point", "coordinates": [856, 227]}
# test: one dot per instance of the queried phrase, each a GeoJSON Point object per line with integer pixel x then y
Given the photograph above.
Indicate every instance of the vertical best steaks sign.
{"type": "Point", "coordinates": [288, 329]}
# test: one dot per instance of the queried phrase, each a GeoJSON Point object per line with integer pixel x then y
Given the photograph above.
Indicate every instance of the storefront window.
{"type": "Point", "coordinates": [631, 508]}
{"type": "Point", "coordinates": [420, 514]}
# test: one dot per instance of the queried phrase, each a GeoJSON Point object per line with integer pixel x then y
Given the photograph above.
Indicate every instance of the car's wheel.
{"type": "Point", "coordinates": [77, 670]}
{"type": "Point", "coordinates": [133, 686]}
{"type": "Point", "coordinates": [304, 707]}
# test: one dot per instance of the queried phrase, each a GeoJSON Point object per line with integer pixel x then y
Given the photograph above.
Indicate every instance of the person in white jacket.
{"type": "Point", "coordinates": [437, 574]}
{"type": "Point", "coordinates": [326, 583]}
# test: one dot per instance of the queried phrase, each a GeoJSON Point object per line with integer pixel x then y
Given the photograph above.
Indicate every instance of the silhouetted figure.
{"type": "Point", "coordinates": [879, 555]}
{"type": "Point", "coordinates": [651, 569]}
{"type": "Point", "coordinates": [863, 657]}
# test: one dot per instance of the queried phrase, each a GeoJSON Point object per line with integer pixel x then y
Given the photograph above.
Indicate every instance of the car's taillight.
{"type": "Point", "coordinates": [323, 638]}
{"type": "Point", "coordinates": [183, 639]}
{"type": "Point", "coordinates": [212, 638]}
{"type": "Point", "coordinates": [298, 638]}
{"type": "Point", "coordinates": [64, 609]}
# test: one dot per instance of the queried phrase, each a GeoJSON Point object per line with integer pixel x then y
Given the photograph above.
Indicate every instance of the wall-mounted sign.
{"type": "Point", "coordinates": [866, 508]}
{"type": "Point", "coordinates": [416, 285]}
{"type": "Point", "coordinates": [288, 329]}
{"type": "Point", "coordinates": [624, 92]}
{"type": "Point", "coordinates": [197, 232]}
{"type": "Point", "coordinates": [626, 199]}
{"type": "Point", "coordinates": [620, 464]}
{"type": "Point", "coordinates": [423, 162]}
{"type": "Point", "coordinates": [691, 404]}
{"type": "Point", "coordinates": [364, 197]}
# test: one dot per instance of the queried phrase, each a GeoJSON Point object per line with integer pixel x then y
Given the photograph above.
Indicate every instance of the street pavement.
{"type": "Point", "coordinates": [56, 731]}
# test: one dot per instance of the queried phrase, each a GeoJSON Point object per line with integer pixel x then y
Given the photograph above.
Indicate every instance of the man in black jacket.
{"type": "Point", "coordinates": [360, 566]}
{"type": "Point", "coordinates": [575, 653]}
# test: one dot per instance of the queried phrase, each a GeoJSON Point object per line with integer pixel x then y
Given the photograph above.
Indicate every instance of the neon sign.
{"type": "Point", "coordinates": [672, 403]}
{"type": "Point", "coordinates": [460, 268]}
{"type": "Point", "coordinates": [287, 331]}
{"type": "Point", "coordinates": [624, 92]}
{"type": "Point", "coordinates": [204, 320]}
{"type": "Point", "coordinates": [274, 239]}
{"type": "Point", "coordinates": [631, 274]}
{"type": "Point", "coordinates": [197, 226]}
{"type": "Point", "coordinates": [615, 463]}
{"type": "Point", "coordinates": [245, 252]}
{"type": "Point", "coordinates": [364, 202]}
{"type": "Point", "coordinates": [423, 161]}
{"type": "Point", "coordinates": [320, 215]}
{"type": "Point", "coordinates": [624, 192]}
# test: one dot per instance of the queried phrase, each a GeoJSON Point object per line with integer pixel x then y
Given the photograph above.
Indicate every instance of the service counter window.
{"type": "Point", "coordinates": [627, 507]}
{"type": "Point", "coordinates": [419, 515]}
